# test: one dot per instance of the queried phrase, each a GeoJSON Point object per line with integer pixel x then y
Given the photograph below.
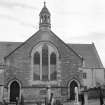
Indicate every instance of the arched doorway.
{"type": "Point", "coordinates": [14, 91]}
{"type": "Point", "coordinates": [73, 84]}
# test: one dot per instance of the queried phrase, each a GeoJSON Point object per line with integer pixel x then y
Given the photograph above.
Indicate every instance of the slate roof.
{"type": "Point", "coordinates": [87, 51]}
{"type": "Point", "coordinates": [6, 48]}
{"type": "Point", "coordinates": [89, 54]}
{"type": "Point", "coordinates": [1, 76]}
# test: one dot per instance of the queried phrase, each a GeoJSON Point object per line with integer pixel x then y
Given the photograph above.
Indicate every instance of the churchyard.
{"type": "Point", "coordinates": [90, 102]}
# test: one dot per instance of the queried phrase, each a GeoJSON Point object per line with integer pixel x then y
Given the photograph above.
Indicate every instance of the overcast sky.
{"type": "Point", "coordinates": [74, 21]}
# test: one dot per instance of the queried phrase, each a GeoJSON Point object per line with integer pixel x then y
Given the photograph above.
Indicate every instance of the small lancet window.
{"type": "Point", "coordinates": [37, 58]}
{"type": "Point", "coordinates": [53, 59]}
{"type": "Point", "coordinates": [36, 66]}
{"type": "Point", "coordinates": [53, 72]}
{"type": "Point", "coordinates": [45, 55]}
{"type": "Point", "coordinates": [45, 71]}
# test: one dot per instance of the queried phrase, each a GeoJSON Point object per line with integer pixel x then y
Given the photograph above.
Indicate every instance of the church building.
{"type": "Point", "coordinates": [45, 62]}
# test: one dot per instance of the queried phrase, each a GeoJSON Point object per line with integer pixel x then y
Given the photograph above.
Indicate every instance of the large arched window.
{"type": "Point", "coordinates": [45, 71]}
{"type": "Point", "coordinates": [36, 66]}
{"type": "Point", "coordinates": [44, 62]}
{"type": "Point", "coordinates": [53, 72]}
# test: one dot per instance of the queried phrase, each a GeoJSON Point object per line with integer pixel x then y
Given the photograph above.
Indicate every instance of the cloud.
{"type": "Point", "coordinates": [16, 20]}
{"type": "Point", "coordinates": [11, 4]}
{"type": "Point", "coordinates": [92, 36]}
{"type": "Point", "coordinates": [96, 35]}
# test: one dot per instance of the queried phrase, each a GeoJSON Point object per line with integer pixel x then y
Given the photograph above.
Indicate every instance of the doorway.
{"type": "Point", "coordinates": [14, 91]}
{"type": "Point", "coordinates": [73, 84]}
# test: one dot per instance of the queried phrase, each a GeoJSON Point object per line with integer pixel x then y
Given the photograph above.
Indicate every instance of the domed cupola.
{"type": "Point", "coordinates": [44, 18]}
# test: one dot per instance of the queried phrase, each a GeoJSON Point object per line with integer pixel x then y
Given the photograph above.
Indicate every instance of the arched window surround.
{"type": "Point", "coordinates": [51, 49]}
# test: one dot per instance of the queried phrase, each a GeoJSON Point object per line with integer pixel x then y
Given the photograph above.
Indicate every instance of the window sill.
{"type": "Point", "coordinates": [44, 82]}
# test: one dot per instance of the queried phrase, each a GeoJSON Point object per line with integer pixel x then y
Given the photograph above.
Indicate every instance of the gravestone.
{"type": "Point", "coordinates": [85, 98]}
{"type": "Point", "coordinates": [76, 96]}
{"type": "Point", "coordinates": [49, 92]}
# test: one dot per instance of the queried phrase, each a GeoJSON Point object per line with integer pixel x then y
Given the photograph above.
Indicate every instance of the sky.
{"type": "Point", "coordinates": [74, 21]}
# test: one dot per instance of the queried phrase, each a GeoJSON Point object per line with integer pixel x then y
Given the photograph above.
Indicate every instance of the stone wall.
{"type": "Point", "coordinates": [19, 62]}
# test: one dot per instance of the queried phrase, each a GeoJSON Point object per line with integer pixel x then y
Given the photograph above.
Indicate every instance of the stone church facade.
{"type": "Point", "coordinates": [44, 61]}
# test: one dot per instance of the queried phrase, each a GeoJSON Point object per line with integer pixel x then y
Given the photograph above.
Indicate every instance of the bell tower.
{"type": "Point", "coordinates": [44, 16]}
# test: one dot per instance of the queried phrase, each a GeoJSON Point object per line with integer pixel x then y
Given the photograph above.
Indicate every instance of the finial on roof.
{"type": "Point", "coordinates": [44, 4]}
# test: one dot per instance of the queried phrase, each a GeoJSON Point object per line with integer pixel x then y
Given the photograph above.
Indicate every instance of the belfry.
{"type": "Point", "coordinates": [45, 21]}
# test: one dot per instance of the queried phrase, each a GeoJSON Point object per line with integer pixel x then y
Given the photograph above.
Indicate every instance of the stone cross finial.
{"type": "Point", "coordinates": [44, 3]}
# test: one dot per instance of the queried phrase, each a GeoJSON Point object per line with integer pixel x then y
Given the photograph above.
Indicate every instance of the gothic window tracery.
{"type": "Point", "coordinates": [45, 63]}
